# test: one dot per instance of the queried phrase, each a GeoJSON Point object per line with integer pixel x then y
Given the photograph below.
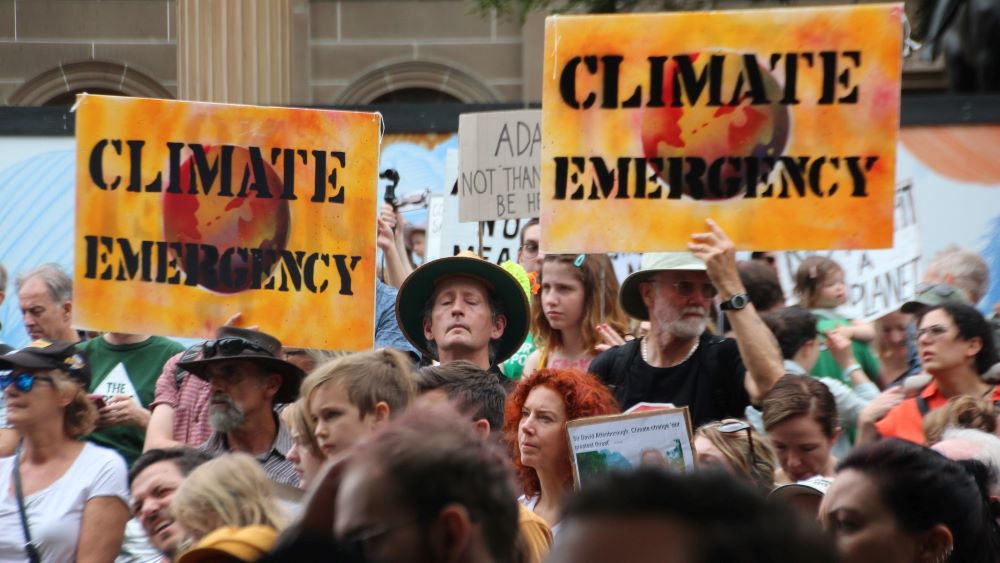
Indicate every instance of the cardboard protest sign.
{"type": "Point", "coordinates": [447, 236]}
{"type": "Point", "coordinates": [620, 442]}
{"type": "Point", "coordinates": [879, 281]}
{"type": "Point", "coordinates": [498, 158]}
{"type": "Point", "coordinates": [780, 124]}
{"type": "Point", "coordinates": [188, 213]}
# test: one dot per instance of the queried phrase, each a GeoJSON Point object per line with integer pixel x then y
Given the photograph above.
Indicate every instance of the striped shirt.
{"type": "Point", "coordinates": [274, 461]}
{"type": "Point", "coordinates": [189, 402]}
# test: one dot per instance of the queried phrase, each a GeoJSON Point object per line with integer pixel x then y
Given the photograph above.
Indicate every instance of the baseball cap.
{"type": "Point", "coordinates": [932, 295]}
{"type": "Point", "coordinates": [47, 355]}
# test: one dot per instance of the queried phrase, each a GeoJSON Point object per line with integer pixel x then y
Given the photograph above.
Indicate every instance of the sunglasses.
{"type": "Point", "coordinates": [23, 382]}
{"type": "Point", "coordinates": [231, 346]}
{"type": "Point", "coordinates": [740, 426]}
{"type": "Point", "coordinates": [687, 289]}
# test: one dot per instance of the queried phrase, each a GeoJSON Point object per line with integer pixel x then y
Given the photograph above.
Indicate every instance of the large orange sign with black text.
{"type": "Point", "coordinates": [188, 213]}
{"type": "Point", "coordinates": [780, 124]}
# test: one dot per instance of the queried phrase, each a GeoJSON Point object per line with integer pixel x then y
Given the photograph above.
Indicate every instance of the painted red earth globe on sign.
{"type": "Point", "coordinates": [224, 221]}
{"type": "Point", "coordinates": [737, 128]}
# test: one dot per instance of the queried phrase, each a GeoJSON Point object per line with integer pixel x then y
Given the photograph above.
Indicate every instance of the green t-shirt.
{"type": "Point", "coordinates": [513, 367]}
{"type": "Point", "coordinates": [128, 369]}
{"type": "Point", "coordinates": [826, 366]}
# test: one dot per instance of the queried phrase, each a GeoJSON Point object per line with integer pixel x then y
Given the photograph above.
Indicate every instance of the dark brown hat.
{"type": "Point", "coordinates": [253, 346]}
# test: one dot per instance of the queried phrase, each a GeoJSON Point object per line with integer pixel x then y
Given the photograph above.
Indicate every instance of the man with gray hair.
{"type": "Point", "coordinates": [962, 269]}
{"type": "Point", "coordinates": [46, 296]}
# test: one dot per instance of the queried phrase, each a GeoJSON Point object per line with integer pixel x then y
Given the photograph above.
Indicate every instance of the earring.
{"type": "Point", "coordinates": [945, 555]}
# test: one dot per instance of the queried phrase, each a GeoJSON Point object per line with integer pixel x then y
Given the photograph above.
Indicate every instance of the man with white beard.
{"type": "Point", "coordinates": [678, 361]}
{"type": "Point", "coordinates": [248, 379]}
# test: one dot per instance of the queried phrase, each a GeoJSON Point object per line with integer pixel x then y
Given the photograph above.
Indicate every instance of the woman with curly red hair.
{"type": "Point", "coordinates": [535, 429]}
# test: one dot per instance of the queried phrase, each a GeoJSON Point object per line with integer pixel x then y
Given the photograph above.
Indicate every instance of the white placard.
{"type": "Point", "coordinates": [879, 281]}
{"type": "Point", "coordinates": [499, 155]}
{"type": "Point", "coordinates": [627, 441]}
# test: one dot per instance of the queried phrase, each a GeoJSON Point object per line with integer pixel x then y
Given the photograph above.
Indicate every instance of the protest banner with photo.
{"type": "Point", "coordinates": [878, 281]}
{"type": "Point", "coordinates": [780, 124]}
{"type": "Point", "coordinates": [188, 213]}
{"type": "Point", "coordinates": [660, 437]}
{"type": "Point", "coordinates": [498, 159]}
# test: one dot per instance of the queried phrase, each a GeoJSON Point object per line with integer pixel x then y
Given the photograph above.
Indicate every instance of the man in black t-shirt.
{"type": "Point", "coordinates": [678, 361]}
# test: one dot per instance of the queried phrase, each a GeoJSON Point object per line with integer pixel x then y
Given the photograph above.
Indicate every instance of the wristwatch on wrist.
{"type": "Point", "coordinates": [736, 302]}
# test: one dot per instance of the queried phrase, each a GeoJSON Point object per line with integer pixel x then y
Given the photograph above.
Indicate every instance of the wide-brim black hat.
{"type": "Point", "coordinates": [418, 288]}
{"type": "Point", "coordinates": [264, 350]}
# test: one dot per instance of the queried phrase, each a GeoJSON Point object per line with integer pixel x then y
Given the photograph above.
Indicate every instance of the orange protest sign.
{"type": "Point", "coordinates": [188, 213]}
{"type": "Point", "coordinates": [780, 124]}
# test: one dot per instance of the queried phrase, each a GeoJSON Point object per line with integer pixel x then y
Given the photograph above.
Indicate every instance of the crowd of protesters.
{"type": "Point", "coordinates": [447, 441]}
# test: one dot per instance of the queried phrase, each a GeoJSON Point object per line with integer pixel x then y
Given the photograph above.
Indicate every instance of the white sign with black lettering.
{"type": "Point", "coordinates": [499, 155]}
{"type": "Point", "coordinates": [879, 281]}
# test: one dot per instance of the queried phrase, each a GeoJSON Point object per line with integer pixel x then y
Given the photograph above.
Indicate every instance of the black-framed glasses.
{"type": "Point", "coordinates": [530, 249]}
{"type": "Point", "coordinates": [230, 346]}
{"type": "Point", "coordinates": [23, 381]}
{"type": "Point", "coordinates": [739, 426]}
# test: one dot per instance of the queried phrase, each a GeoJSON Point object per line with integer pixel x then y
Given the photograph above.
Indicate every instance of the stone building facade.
{"type": "Point", "coordinates": [293, 52]}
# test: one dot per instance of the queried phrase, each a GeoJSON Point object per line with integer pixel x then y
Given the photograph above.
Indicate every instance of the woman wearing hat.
{"type": "Point", "coordinates": [68, 496]}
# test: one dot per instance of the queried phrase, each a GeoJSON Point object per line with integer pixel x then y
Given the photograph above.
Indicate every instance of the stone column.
{"type": "Point", "coordinates": [235, 51]}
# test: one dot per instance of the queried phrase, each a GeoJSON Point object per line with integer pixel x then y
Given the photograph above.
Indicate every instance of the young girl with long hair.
{"type": "Point", "coordinates": [575, 315]}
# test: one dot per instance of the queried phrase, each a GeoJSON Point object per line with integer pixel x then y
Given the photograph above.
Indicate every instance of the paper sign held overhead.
{"type": "Point", "coordinates": [657, 437]}
{"type": "Point", "coordinates": [498, 158]}
{"type": "Point", "coordinates": [780, 124]}
{"type": "Point", "coordinates": [188, 213]}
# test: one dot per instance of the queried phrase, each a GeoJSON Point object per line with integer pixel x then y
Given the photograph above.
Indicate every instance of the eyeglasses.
{"type": "Point", "coordinates": [23, 382]}
{"type": "Point", "coordinates": [687, 288]}
{"type": "Point", "coordinates": [529, 249]}
{"type": "Point", "coordinates": [740, 426]}
{"type": "Point", "coordinates": [231, 346]}
{"type": "Point", "coordinates": [933, 332]}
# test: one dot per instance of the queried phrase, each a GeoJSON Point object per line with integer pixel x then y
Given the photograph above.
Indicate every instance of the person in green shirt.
{"type": "Point", "coordinates": [125, 368]}
{"type": "Point", "coordinates": [820, 286]}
